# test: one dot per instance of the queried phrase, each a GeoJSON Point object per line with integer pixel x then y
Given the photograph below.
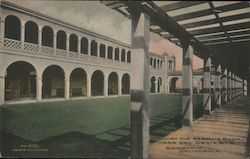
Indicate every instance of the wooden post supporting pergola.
{"type": "Point", "coordinates": [140, 85]}
{"type": "Point", "coordinates": [147, 15]}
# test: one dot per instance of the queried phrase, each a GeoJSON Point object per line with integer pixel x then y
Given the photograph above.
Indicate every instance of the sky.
{"type": "Point", "coordinates": [96, 17]}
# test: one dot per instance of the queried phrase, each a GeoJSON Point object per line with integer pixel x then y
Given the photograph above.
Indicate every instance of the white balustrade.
{"type": "Point", "coordinates": [60, 52]}
{"type": "Point", "coordinates": [74, 55]}
{"type": "Point", "coordinates": [102, 60]}
{"type": "Point", "coordinates": [30, 47]}
{"type": "Point", "coordinates": [10, 43]}
{"type": "Point", "coordinates": [84, 57]}
{"type": "Point", "coordinates": [47, 50]}
{"type": "Point", "coordinates": [93, 59]}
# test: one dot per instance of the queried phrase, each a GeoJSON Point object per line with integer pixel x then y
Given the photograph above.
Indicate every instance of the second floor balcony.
{"type": "Point", "coordinates": [29, 38]}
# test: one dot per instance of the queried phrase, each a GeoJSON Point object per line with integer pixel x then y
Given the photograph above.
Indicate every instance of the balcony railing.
{"type": "Point", "coordinates": [31, 48]}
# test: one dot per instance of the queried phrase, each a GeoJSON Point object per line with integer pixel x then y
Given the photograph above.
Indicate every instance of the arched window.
{"type": "Point", "coordinates": [158, 63]}
{"type": "Point", "coordinates": [154, 63]}
{"type": "Point", "coordinates": [61, 40]}
{"type": "Point", "coordinates": [12, 28]}
{"type": "Point", "coordinates": [93, 48]}
{"type": "Point", "coordinates": [47, 36]}
{"type": "Point", "coordinates": [151, 61]}
{"type": "Point", "coordinates": [84, 45]}
{"type": "Point", "coordinates": [31, 32]}
{"type": "Point", "coordinates": [102, 50]}
{"type": "Point", "coordinates": [110, 52]}
{"type": "Point", "coordinates": [117, 53]}
{"type": "Point", "coordinates": [73, 43]}
{"type": "Point", "coordinates": [123, 55]}
{"type": "Point", "coordinates": [128, 57]}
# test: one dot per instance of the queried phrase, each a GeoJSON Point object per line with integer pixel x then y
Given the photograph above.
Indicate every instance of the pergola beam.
{"type": "Point", "coordinates": [179, 5]}
{"type": "Point", "coordinates": [231, 27]}
{"type": "Point", "coordinates": [223, 40]}
{"type": "Point", "coordinates": [214, 21]}
{"type": "Point", "coordinates": [206, 12]}
{"type": "Point", "coordinates": [221, 35]}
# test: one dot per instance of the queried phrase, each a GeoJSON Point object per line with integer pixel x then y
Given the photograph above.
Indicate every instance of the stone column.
{"type": "Point", "coordinates": [22, 35]}
{"type": "Point", "coordinates": [2, 90]}
{"type": "Point", "coordinates": [66, 88]}
{"type": "Point", "coordinates": [79, 46]}
{"type": "Point", "coordinates": [233, 86]}
{"type": "Point", "coordinates": [54, 42]}
{"type": "Point", "coordinates": [187, 86]}
{"type": "Point", "coordinates": [207, 86]}
{"type": "Point", "coordinates": [119, 85]}
{"type": "Point", "coordinates": [245, 88]}
{"type": "Point", "coordinates": [98, 50]}
{"type": "Point", "coordinates": [217, 84]}
{"type": "Point", "coordinates": [224, 87]}
{"type": "Point", "coordinates": [88, 86]}
{"type": "Point", "coordinates": [38, 88]}
{"type": "Point", "coordinates": [2, 25]}
{"type": "Point", "coordinates": [140, 85]}
{"type": "Point", "coordinates": [156, 86]}
{"type": "Point", "coordinates": [67, 44]}
{"type": "Point", "coordinates": [105, 89]}
{"type": "Point", "coordinates": [89, 47]}
{"type": "Point", "coordinates": [229, 86]}
{"type": "Point", "coordinates": [39, 38]}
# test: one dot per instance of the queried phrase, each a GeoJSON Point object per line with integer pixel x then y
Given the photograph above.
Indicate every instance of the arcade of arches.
{"type": "Point", "coordinates": [21, 82]}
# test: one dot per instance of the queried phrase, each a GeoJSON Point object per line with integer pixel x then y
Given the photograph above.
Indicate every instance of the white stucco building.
{"type": "Point", "coordinates": [43, 58]}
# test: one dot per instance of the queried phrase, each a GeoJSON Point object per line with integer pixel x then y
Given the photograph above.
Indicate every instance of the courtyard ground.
{"type": "Point", "coordinates": [97, 127]}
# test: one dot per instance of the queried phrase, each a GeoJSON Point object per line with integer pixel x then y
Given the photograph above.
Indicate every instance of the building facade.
{"type": "Point", "coordinates": [43, 58]}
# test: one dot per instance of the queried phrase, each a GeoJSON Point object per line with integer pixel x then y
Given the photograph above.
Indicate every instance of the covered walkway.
{"type": "Point", "coordinates": [226, 134]}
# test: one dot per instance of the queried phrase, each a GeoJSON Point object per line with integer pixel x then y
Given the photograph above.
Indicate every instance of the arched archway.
{"type": "Point", "coordinates": [128, 57]}
{"type": "Point", "coordinates": [159, 89]}
{"type": "Point", "coordinates": [53, 82]}
{"type": "Point", "coordinates": [117, 54]}
{"type": "Point", "coordinates": [102, 50]}
{"type": "Point", "coordinates": [31, 32]}
{"type": "Point", "coordinates": [93, 48]}
{"type": "Point", "coordinates": [125, 84]}
{"type": "Point", "coordinates": [47, 36]}
{"type": "Point", "coordinates": [172, 85]}
{"type": "Point", "coordinates": [123, 55]}
{"type": "Point", "coordinates": [61, 40]}
{"type": "Point", "coordinates": [73, 43]}
{"type": "Point", "coordinates": [12, 28]}
{"type": "Point", "coordinates": [110, 52]}
{"type": "Point", "coordinates": [152, 88]}
{"type": "Point", "coordinates": [97, 83]}
{"type": "Point", "coordinates": [20, 82]}
{"type": "Point", "coordinates": [84, 45]}
{"type": "Point", "coordinates": [113, 84]}
{"type": "Point", "coordinates": [78, 82]}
